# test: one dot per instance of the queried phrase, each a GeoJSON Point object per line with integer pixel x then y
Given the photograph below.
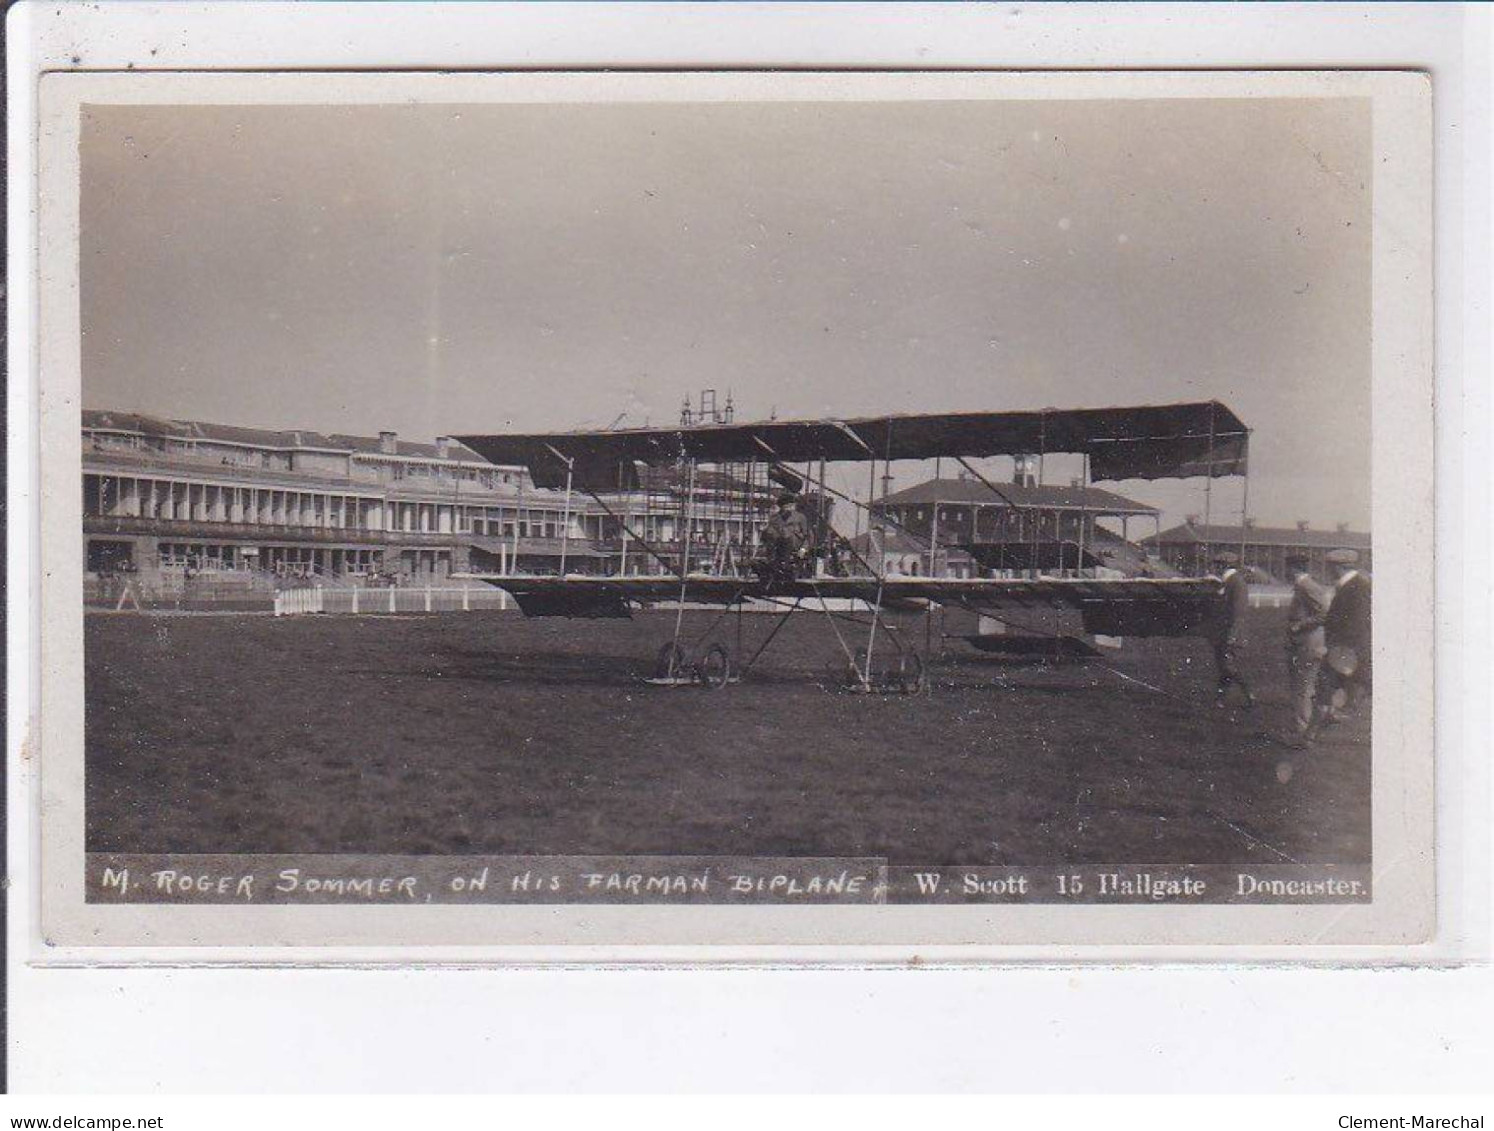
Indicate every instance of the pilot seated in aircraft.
{"type": "Point", "coordinates": [785, 542]}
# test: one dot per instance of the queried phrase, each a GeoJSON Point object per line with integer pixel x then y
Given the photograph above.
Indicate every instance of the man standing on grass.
{"type": "Point", "coordinates": [1347, 636]}
{"type": "Point", "coordinates": [1226, 630]}
{"type": "Point", "coordinates": [1304, 643]}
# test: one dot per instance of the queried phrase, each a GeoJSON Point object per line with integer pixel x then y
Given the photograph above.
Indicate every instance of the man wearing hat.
{"type": "Point", "coordinates": [1225, 628]}
{"type": "Point", "coordinates": [785, 539]}
{"type": "Point", "coordinates": [1347, 638]}
{"type": "Point", "coordinates": [1304, 643]}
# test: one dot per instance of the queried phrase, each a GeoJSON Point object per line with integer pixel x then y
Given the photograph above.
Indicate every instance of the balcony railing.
{"type": "Point", "coordinates": [128, 464]}
{"type": "Point", "coordinates": [262, 531]}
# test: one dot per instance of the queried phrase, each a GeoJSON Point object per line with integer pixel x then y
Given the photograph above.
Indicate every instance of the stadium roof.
{"type": "Point", "coordinates": [1143, 442]}
{"type": "Point", "coordinates": [282, 440]}
{"type": "Point", "coordinates": [1190, 533]}
{"type": "Point", "coordinates": [1045, 496]}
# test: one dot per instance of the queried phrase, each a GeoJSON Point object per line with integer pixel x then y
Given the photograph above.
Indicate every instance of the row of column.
{"type": "Point", "coordinates": [140, 497]}
{"type": "Point", "coordinates": [1058, 522]}
{"type": "Point", "coordinates": [174, 500]}
{"type": "Point", "coordinates": [132, 497]}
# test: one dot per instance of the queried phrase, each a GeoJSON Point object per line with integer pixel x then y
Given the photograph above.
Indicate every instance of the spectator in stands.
{"type": "Point", "coordinates": [1225, 630]}
{"type": "Point", "coordinates": [1304, 641]}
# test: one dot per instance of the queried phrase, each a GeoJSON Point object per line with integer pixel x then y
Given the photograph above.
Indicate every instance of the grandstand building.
{"type": "Point", "coordinates": [1018, 526]}
{"type": "Point", "coordinates": [166, 499]}
{"type": "Point", "coordinates": [1191, 547]}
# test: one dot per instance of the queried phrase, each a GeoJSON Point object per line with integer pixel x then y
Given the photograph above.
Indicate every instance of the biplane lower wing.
{"type": "Point", "coordinates": [1110, 606]}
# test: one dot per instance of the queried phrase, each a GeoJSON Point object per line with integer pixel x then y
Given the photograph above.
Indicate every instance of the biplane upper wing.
{"type": "Point", "coordinates": [1144, 442]}
{"type": "Point", "coordinates": [1174, 606]}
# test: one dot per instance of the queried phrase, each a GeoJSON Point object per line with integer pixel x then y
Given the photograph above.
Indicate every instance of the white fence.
{"type": "Point", "coordinates": [1270, 596]}
{"type": "Point", "coordinates": [316, 599]}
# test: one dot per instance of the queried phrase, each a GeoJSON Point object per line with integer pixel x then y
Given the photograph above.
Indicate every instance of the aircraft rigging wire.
{"type": "Point", "coordinates": [849, 618]}
{"type": "Point", "coordinates": [879, 574]}
{"type": "Point", "coordinates": [1059, 636]}
{"type": "Point", "coordinates": [726, 611]}
{"type": "Point", "coordinates": [826, 488]}
{"type": "Point", "coordinates": [860, 506]}
{"type": "Point", "coordinates": [648, 547]}
{"type": "Point", "coordinates": [1142, 683]}
{"type": "Point", "coordinates": [1255, 840]}
{"type": "Point", "coordinates": [871, 636]}
{"type": "Point", "coordinates": [687, 515]}
{"type": "Point", "coordinates": [825, 608]}
{"type": "Point", "coordinates": [783, 620]}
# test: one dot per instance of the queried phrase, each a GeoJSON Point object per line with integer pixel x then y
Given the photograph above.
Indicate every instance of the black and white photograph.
{"type": "Point", "coordinates": [716, 509]}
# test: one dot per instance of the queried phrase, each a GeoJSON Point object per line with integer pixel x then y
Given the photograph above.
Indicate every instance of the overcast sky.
{"type": "Point", "coordinates": [438, 269]}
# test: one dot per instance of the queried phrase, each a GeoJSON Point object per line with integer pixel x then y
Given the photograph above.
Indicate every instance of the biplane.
{"type": "Point", "coordinates": [851, 587]}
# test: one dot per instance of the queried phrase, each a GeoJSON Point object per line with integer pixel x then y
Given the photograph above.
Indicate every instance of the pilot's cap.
{"type": "Point", "coordinates": [1343, 557]}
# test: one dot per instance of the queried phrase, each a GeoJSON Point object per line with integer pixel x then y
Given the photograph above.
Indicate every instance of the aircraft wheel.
{"type": "Point", "coordinates": [715, 669]}
{"type": "Point", "coordinates": [672, 662]}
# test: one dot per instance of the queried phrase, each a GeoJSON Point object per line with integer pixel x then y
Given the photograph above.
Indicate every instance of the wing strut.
{"type": "Point", "coordinates": [565, 517]}
{"type": "Point", "coordinates": [622, 522]}
{"type": "Point", "coordinates": [864, 677]}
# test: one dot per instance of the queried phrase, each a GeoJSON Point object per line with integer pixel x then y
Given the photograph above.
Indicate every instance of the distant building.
{"type": "Point", "coordinates": [167, 498]}
{"type": "Point", "coordinates": [1190, 547]}
{"type": "Point", "coordinates": [892, 553]}
{"type": "Point", "coordinates": [1019, 525]}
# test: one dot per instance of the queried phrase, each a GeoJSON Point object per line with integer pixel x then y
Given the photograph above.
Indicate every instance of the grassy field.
{"type": "Point", "coordinates": [486, 732]}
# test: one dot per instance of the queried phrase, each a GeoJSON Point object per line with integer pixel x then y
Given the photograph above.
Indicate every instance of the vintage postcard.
{"type": "Point", "coordinates": [926, 513]}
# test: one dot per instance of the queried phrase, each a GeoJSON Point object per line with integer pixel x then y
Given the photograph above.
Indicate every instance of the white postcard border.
{"type": "Point", "coordinates": [1400, 917]}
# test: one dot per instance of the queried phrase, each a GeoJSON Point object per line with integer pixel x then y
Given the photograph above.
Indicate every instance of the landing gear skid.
{"type": "Point", "coordinates": [675, 667]}
{"type": "Point", "coordinates": [904, 675]}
